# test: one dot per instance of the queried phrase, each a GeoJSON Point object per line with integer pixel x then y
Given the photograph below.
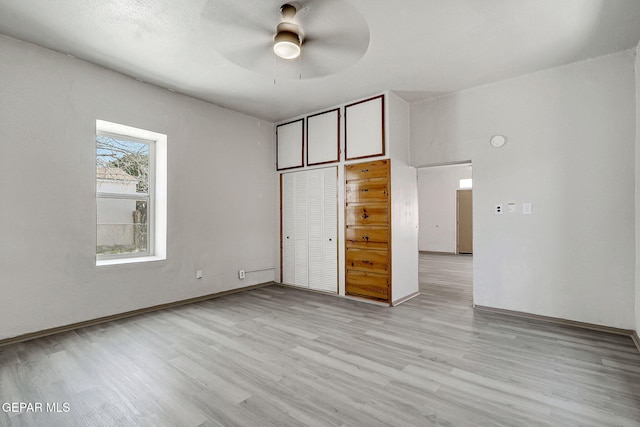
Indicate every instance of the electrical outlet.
{"type": "Point", "coordinates": [241, 274]}
{"type": "Point", "coordinates": [198, 274]}
{"type": "Point", "coordinates": [499, 209]}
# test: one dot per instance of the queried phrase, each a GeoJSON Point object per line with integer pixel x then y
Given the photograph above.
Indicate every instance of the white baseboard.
{"type": "Point", "coordinates": [405, 299]}
{"type": "Point", "coordinates": [636, 339]}
{"type": "Point", "coordinates": [92, 322]}
{"type": "Point", "coordinates": [566, 322]}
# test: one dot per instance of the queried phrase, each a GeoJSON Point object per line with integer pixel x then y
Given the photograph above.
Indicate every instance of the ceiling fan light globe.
{"type": "Point", "coordinates": [286, 45]}
{"type": "Point", "coordinates": [287, 50]}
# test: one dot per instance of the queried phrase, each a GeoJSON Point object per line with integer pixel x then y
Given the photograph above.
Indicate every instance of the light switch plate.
{"type": "Point", "coordinates": [527, 209]}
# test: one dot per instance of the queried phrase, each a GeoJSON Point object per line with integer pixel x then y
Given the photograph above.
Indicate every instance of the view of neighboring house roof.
{"type": "Point", "coordinates": [114, 174]}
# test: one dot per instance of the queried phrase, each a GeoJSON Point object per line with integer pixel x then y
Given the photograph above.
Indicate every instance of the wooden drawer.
{"type": "Point", "coordinates": [376, 169]}
{"type": "Point", "coordinates": [368, 285]}
{"type": "Point", "coordinates": [377, 214]}
{"type": "Point", "coordinates": [369, 190]}
{"type": "Point", "coordinates": [367, 237]}
{"type": "Point", "coordinates": [375, 261]}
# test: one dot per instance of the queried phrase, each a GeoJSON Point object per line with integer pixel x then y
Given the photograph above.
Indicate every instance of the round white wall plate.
{"type": "Point", "coordinates": [498, 141]}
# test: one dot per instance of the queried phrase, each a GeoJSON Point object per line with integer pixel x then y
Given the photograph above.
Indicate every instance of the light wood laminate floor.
{"type": "Point", "coordinates": [286, 357]}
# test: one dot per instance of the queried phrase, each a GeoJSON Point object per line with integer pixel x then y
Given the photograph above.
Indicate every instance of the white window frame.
{"type": "Point", "coordinates": [157, 197]}
{"type": "Point", "coordinates": [466, 184]}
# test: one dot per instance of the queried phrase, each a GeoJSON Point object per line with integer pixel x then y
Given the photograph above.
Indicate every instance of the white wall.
{"type": "Point", "coordinates": [397, 127]}
{"type": "Point", "coordinates": [221, 196]}
{"type": "Point", "coordinates": [570, 152]}
{"type": "Point", "coordinates": [637, 325]}
{"type": "Point", "coordinates": [437, 202]}
{"type": "Point", "coordinates": [404, 231]}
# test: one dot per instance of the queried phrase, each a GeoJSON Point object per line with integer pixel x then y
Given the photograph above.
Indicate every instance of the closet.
{"type": "Point", "coordinates": [348, 201]}
{"type": "Point", "coordinates": [309, 238]}
{"type": "Point", "coordinates": [368, 230]}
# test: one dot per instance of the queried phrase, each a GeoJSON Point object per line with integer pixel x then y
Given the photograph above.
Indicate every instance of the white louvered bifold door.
{"type": "Point", "coordinates": [323, 229]}
{"type": "Point", "coordinates": [309, 229]}
{"type": "Point", "coordinates": [301, 255]}
{"type": "Point", "coordinates": [288, 228]}
{"type": "Point", "coordinates": [315, 202]}
{"type": "Point", "coordinates": [330, 230]}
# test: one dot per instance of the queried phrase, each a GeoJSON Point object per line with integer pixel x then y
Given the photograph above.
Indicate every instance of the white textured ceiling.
{"type": "Point", "coordinates": [418, 48]}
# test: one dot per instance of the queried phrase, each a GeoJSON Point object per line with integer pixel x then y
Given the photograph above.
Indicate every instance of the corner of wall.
{"type": "Point", "coordinates": [404, 236]}
{"type": "Point", "coordinates": [637, 189]}
{"type": "Point", "coordinates": [398, 127]}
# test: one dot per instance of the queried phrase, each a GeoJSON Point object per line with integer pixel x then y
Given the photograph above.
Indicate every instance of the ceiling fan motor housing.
{"type": "Point", "coordinates": [288, 38]}
{"type": "Point", "coordinates": [288, 11]}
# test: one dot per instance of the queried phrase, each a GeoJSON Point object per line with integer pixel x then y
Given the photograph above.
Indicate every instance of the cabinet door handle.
{"type": "Point", "coordinates": [287, 237]}
{"type": "Point", "coordinates": [365, 237]}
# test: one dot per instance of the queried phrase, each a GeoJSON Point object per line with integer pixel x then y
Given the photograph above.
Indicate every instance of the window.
{"type": "Point", "coordinates": [130, 194]}
{"type": "Point", "coordinates": [465, 183]}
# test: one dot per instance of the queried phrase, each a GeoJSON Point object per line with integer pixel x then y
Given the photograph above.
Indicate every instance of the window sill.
{"type": "Point", "coordinates": [118, 261]}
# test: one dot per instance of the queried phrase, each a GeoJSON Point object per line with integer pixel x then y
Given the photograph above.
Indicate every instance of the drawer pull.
{"type": "Point", "coordinates": [366, 261]}
{"type": "Point", "coordinates": [364, 170]}
{"type": "Point", "coordinates": [365, 190]}
{"type": "Point", "coordinates": [364, 237]}
{"type": "Point", "coordinates": [365, 216]}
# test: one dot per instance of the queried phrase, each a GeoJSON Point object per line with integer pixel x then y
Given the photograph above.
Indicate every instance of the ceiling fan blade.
{"type": "Point", "coordinates": [322, 57]}
{"type": "Point", "coordinates": [321, 11]}
{"type": "Point", "coordinates": [229, 15]}
{"type": "Point", "coordinates": [256, 57]}
{"type": "Point", "coordinates": [338, 45]}
{"type": "Point", "coordinates": [314, 66]}
{"type": "Point", "coordinates": [335, 37]}
{"type": "Point", "coordinates": [324, 18]}
{"type": "Point", "coordinates": [322, 60]}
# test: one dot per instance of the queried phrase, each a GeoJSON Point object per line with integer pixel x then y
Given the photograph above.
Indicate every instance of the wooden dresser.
{"type": "Point", "coordinates": [368, 230]}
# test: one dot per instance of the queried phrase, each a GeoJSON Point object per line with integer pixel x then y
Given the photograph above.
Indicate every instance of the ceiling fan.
{"type": "Point", "coordinates": [301, 39]}
{"type": "Point", "coordinates": [288, 39]}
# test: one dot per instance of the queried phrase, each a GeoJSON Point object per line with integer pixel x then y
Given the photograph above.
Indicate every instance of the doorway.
{"type": "Point", "coordinates": [464, 221]}
{"type": "Point", "coordinates": [445, 203]}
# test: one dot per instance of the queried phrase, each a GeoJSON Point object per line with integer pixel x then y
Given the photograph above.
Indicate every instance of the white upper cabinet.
{"type": "Point", "coordinates": [323, 138]}
{"type": "Point", "coordinates": [358, 129]}
{"type": "Point", "coordinates": [364, 128]}
{"type": "Point", "coordinates": [290, 145]}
